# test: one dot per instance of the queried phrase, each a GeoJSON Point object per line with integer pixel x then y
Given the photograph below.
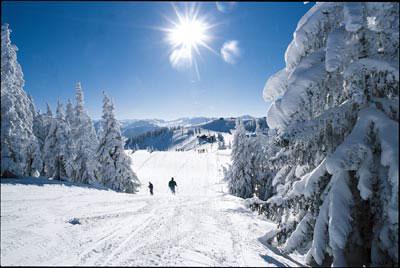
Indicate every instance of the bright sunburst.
{"type": "Point", "coordinates": [186, 35]}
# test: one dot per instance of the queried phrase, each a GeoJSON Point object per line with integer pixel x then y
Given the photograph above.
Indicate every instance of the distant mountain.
{"type": "Point", "coordinates": [247, 117]}
{"type": "Point", "coordinates": [132, 122]}
{"type": "Point", "coordinates": [164, 135]}
{"type": "Point", "coordinates": [181, 133]}
{"type": "Point", "coordinates": [185, 122]}
{"type": "Point", "coordinates": [176, 138]}
{"type": "Point", "coordinates": [220, 125]}
{"type": "Point", "coordinates": [135, 127]}
{"type": "Point", "coordinates": [138, 127]}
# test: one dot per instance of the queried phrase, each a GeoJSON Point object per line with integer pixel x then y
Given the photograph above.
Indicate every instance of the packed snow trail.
{"type": "Point", "coordinates": [51, 223]}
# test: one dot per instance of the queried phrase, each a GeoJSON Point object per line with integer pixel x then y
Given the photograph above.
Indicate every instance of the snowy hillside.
{"type": "Point", "coordinates": [137, 128]}
{"type": "Point", "coordinates": [178, 139]}
{"type": "Point", "coordinates": [144, 134]}
{"type": "Point", "coordinates": [51, 223]}
{"type": "Point", "coordinates": [134, 127]}
{"type": "Point", "coordinates": [185, 122]}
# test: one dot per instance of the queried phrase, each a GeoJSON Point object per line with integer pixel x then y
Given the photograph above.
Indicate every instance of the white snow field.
{"type": "Point", "coordinates": [46, 222]}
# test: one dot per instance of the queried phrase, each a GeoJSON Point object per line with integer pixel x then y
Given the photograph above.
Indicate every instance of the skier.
{"type": "Point", "coordinates": [172, 185]}
{"type": "Point", "coordinates": [151, 188]}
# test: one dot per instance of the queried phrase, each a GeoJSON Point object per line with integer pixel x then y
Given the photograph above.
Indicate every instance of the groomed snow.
{"type": "Point", "coordinates": [46, 222]}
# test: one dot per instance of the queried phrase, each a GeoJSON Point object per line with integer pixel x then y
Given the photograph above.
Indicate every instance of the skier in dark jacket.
{"type": "Point", "coordinates": [151, 188]}
{"type": "Point", "coordinates": [172, 185]}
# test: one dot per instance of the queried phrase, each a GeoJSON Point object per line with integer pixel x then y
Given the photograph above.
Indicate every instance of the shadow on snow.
{"type": "Point", "coordinates": [271, 260]}
{"type": "Point", "coordinates": [46, 181]}
{"type": "Point", "coordinates": [277, 252]}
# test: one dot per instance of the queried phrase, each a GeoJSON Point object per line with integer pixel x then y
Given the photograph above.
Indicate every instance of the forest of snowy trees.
{"type": "Point", "coordinates": [328, 167]}
{"type": "Point", "coordinates": [63, 146]}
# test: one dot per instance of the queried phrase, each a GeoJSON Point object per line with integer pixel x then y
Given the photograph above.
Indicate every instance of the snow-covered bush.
{"type": "Point", "coordinates": [335, 119]}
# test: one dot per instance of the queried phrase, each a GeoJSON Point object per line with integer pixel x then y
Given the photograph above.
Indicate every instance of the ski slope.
{"type": "Point", "coordinates": [46, 222]}
{"type": "Point", "coordinates": [195, 173]}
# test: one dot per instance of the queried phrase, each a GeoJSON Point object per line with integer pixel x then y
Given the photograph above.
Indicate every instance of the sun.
{"type": "Point", "coordinates": [187, 34]}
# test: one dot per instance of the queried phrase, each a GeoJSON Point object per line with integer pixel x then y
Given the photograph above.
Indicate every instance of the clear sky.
{"type": "Point", "coordinates": [121, 47]}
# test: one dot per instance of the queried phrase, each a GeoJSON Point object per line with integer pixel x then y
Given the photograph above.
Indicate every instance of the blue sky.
{"type": "Point", "coordinates": [118, 47]}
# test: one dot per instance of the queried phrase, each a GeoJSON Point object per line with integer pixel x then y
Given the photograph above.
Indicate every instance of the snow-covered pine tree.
{"type": "Point", "coordinates": [250, 174]}
{"type": "Point", "coordinates": [41, 127]}
{"type": "Point", "coordinates": [34, 153]}
{"type": "Point", "coordinates": [69, 113]}
{"type": "Point", "coordinates": [86, 141]}
{"type": "Point", "coordinates": [50, 149]}
{"type": "Point", "coordinates": [335, 116]}
{"type": "Point", "coordinates": [240, 175]}
{"type": "Point", "coordinates": [59, 155]}
{"type": "Point", "coordinates": [20, 153]}
{"type": "Point", "coordinates": [115, 164]}
{"type": "Point", "coordinates": [260, 147]}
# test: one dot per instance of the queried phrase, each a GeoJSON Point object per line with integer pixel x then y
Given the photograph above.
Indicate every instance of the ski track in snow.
{"type": "Point", "coordinates": [200, 226]}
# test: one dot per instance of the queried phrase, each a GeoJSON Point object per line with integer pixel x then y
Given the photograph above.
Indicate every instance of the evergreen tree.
{"type": "Point", "coordinates": [221, 142]}
{"type": "Point", "coordinates": [69, 113]}
{"type": "Point", "coordinates": [86, 141]}
{"type": "Point", "coordinates": [335, 122]}
{"type": "Point", "coordinates": [41, 127]}
{"type": "Point", "coordinates": [115, 164]}
{"type": "Point", "coordinates": [240, 177]}
{"type": "Point", "coordinates": [20, 153]}
{"type": "Point", "coordinates": [59, 154]}
{"type": "Point", "coordinates": [249, 175]}
{"type": "Point", "coordinates": [34, 154]}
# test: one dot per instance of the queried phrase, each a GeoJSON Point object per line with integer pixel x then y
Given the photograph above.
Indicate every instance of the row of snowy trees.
{"type": "Point", "coordinates": [64, 146]}
{"type": "Point", "coordinates": [144, 141]}
{"type": "Point", "coordinates": [331, 156]}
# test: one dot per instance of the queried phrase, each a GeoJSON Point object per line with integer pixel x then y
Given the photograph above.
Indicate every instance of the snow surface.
{"type": "Point", "coordinates": [45, 222]}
